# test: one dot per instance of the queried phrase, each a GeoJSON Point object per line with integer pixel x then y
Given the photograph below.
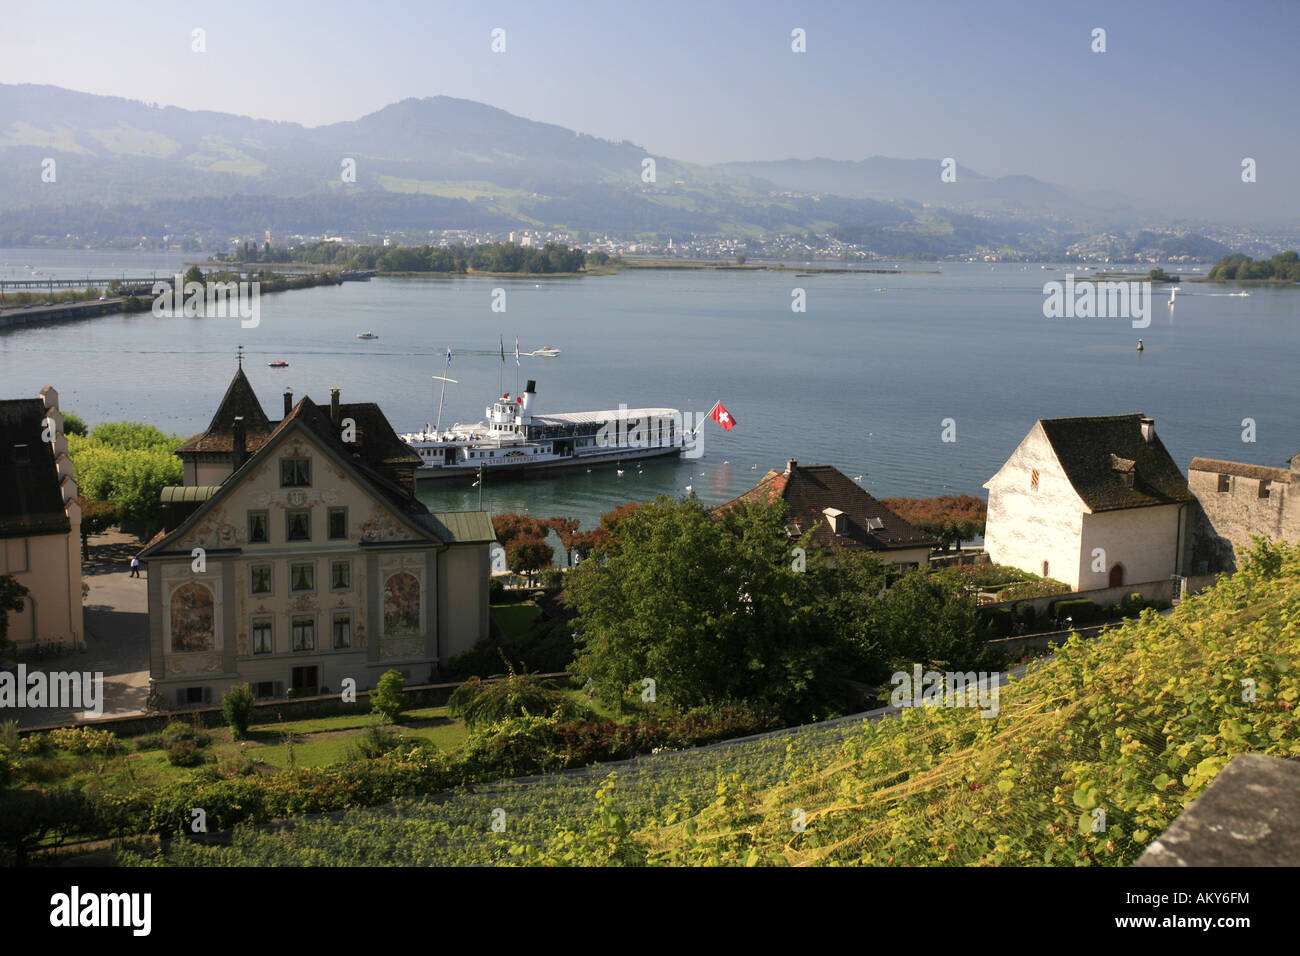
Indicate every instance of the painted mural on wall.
{"type": "Point", "coordinates": [402, 636]}
{"type": "Point", "coordinates": [192, 618]}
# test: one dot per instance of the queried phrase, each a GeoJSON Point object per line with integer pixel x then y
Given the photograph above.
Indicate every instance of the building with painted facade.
{"type": "Point", "coordinates": [297, 556]}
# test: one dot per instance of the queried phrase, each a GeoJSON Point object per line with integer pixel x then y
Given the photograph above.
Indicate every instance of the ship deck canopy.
{"type": "Point", "coordinates": [594, 418]}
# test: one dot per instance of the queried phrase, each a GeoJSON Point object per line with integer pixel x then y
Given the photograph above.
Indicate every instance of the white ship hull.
{"type": "Point", "coordinates": [514, 442]}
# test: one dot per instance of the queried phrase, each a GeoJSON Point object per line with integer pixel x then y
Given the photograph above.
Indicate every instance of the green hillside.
{"type": "Point", "coordinates": [1134, 725]}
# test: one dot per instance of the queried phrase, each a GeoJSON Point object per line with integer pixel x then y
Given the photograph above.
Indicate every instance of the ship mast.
{"type": "Point", "coordinates": [437, 429]}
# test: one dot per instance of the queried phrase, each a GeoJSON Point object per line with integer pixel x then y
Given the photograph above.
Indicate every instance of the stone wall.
{"type": "Point", "coordinates": [1227, 519]}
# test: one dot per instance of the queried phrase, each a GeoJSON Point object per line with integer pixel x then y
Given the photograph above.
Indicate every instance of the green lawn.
{"type": "Point", "coordinates": [317, 742]}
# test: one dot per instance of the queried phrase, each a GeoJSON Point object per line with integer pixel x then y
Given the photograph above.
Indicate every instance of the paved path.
{"type": "Point", "coordinates": [117, 633]}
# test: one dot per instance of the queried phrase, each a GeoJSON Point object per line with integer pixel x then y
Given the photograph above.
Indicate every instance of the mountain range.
{"type": "Point", "coordinates": [127, 168]}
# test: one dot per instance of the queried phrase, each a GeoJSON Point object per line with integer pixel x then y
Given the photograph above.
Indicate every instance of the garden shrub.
{"type": "Point", "coordinates": [999, 619]}
{"type": "Point", "coordinates": [150, 742]}
{"type": "Point", "coordinates": [184, 753]}
{"type": "Point", "coordinates": [1081, 610]}
{"type": "Point", "coordinates": [388, 699]}
{"type": "Point", "coordinates": [517, 695]}
{"type": "Point", "coordinates": [237, 708]}
{"type": "Point", "coordinates": [85, 740]}
{"type": "Point", "coordinates": [376, 741]}
{"type": "Point", "coordinates": [8, 766]}
{"type": "Point", "coordinates": [1026, 614]}
{"type": "Point", "coordinates": [180, 731]}
{"type": "Point", "coordinates": [35, 745]}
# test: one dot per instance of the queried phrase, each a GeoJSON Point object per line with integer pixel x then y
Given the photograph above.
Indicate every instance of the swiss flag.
{"type": "Point", "coordinates": [722, 417]}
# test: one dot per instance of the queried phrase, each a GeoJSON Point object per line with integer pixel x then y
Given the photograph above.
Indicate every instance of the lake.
{"type": "Point", "coordinates": [863, 379]}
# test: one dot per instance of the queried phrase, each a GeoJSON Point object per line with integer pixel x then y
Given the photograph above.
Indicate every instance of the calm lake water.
{"type": "Point", "coordinates": [862, 380]}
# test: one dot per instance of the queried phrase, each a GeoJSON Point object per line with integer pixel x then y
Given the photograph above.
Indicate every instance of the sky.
{"type": "Point", "coordinates": [1183, 93]}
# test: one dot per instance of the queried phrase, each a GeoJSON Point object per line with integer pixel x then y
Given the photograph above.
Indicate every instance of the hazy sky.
{"type": "Point", "coordinates": [1183, 93]}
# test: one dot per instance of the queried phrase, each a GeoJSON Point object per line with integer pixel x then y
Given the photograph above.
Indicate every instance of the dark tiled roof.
{"type": "Point", "coordinates": [383, 458]}
{"type": "Point", "coordinates": [1088, 450]}
{"type": "Point", "coordinates": [1261, 472]}
{"type": "Point", "coordinates": [31, 495]}
{"type": "Point", "coordinates": [810, 489]}
{"type": "Point", "coordinates": [239, 400]}
{"type": "Point", "coordinates": [374, 457]}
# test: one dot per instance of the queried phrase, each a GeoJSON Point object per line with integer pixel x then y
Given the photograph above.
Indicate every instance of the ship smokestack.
{"type": "Point", "coordinates": [530, 392]}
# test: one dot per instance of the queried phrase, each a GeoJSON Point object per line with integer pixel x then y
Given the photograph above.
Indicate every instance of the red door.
{"type": "Point", "coordinates": [1117, 576]}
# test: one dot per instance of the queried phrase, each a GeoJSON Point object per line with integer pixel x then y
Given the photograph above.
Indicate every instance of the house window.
{"type": "Point", "coordinates": [193, 695]}
{"type": "Point", "coordinates": [22, 455]}
{"type": "Point", "coordinates": [295, 472]}
{"type": "Point", "coordinates": [263, 636]}
{"type": "Point", "coordinates": [260, 578]}
{"type": "Point", "coordinates": [304, 632]}
{"type": "Point", "coordinates": [340, 575]}
{"type": "Point", "coordinates": [1264, 488]}
{"type": "Point", "coordinates": [298, 525]}
{"type": "Point", "coordinates": [259, 527]}
{"type": "Point", "coordinates": [1225, 483]}
{"type": "Point", "coordinates": [265, 689]}
{"type": "Point", "coordinates": [338, 523]}
{"type": "Point", "coordinates": [302, 577]}
{"type": "Point", "coordinates": [1044, 569]}
{"type": "Point", "coordinates": [342, 631]}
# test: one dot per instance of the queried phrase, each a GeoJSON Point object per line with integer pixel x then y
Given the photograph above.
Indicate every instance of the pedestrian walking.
{"type": "Point", "coordinates": [135, 566]}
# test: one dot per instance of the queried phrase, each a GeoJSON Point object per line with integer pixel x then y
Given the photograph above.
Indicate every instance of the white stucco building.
{"type": "Point", "coordinates": [1093, 502]}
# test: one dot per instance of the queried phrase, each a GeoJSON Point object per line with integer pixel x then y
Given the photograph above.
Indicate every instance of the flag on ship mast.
{"type": "Point", "coordinates": [516, 351]}
{"type": "Point", "coordinates": [448, 358]}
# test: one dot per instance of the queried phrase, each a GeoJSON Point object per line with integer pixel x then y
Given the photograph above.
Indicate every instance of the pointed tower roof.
{"type": "Point", "coordinates": [239, 401]}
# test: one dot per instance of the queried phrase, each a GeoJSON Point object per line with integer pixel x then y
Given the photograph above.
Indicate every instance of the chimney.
{"type": "Point", "coordinates": [790, 465]}
{"type": "Point", "coordinates": [288, 402]}
{"type": "Point", "coordinates": [1148, 430]}
{"type": "Point", "coordinates": [334, 404]}
{"type": "Point", "coordinates": [239, 449]}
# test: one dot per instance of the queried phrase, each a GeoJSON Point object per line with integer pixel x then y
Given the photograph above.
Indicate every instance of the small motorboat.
{"type": "Point", "coordinates": [280, 364]}
{"type": "Point", "coordinates": [367, 335]}
{"type": "Point", "coordinates": [547, 352]}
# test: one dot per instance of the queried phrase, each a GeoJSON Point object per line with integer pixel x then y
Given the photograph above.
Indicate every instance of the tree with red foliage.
{"type": "Point", "coordinates": [527, 554]}
{"type": "Point", "coordinates": [511, 526]}
{"type": "Point", "coordinates": [951, 519]}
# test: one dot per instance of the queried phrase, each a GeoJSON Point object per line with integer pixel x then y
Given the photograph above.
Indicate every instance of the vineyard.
{"type": "Point", "coordinates": [1089, 758]}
